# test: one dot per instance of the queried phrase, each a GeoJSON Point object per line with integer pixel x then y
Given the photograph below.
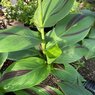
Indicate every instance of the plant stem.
{"type": "Point", "coordinates": [41, 29]}
{"type": "Point", "coordinates": [43, 40]}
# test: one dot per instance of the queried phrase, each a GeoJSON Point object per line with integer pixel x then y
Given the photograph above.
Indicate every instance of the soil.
{"type": "Point", "coordinates": [88, 71]}
{"type": "Point", "coordinates": [6, 64]}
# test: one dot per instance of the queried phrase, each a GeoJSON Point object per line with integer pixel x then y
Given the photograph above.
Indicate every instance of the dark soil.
{"type": "Point", "coordinates": [9, 93]}
{"type": "Point", "coordinates": [50, 81]}
{"type": "Point", "coordinates": [88, 71]}
{"type": "Point", "coordinates": [5, 66]}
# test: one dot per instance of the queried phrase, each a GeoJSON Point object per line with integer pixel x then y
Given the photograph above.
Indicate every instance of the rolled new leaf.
{"type": "Point", "coordinates": [52, 53]}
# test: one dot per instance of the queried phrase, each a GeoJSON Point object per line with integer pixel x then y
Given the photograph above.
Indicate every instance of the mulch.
{"type": "Point", "coordinates": [88, 71]}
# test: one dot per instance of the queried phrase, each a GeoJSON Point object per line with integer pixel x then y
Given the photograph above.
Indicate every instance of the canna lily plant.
{"type": "Point", "coordinates": [37, 54]}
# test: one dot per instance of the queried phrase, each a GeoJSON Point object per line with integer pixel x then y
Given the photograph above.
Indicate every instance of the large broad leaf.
{"type": "Point", "coordinates": [47, 90]}
{"type": "Point", "coordinates": [49, 12]}
{"type": "Point", "coordinates": [18, 38]}
{"type": "Point", "coordinates": [24, 73]}
{"type": "Point", "coordinates": [3, 57]}
{"type": "Point", "coordinates": [71, 54]}
{"type": "Point", "coordinates": [52, 53]}
{"type": "Point", "coordinates": [71, 29]}
{"type": "Point", "coordinates": [73, 89]}
{"type": "Point", "coordinates": [68, 74]}
{"type": "Point", "coordinates": [23, 54]}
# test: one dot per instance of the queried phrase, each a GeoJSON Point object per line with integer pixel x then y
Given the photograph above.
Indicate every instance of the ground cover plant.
{"type": "Point", "coordinates": [21, 11]}
{"type": "Point", "coordinates": [37, 54]}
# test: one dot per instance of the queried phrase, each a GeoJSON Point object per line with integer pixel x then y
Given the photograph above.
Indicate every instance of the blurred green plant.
{"type": "Point", "coordinates": [5, 3]}
{"type": "Point", "coordinates": [22, 11]}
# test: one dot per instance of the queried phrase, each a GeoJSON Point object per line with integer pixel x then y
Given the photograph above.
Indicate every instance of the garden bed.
{"type": "Point", "coordinates": [88, 71]}
{"type": "Point", "coordinates": [46, 60]}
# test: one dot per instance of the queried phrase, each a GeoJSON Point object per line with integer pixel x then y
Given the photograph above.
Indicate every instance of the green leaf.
{"type": "Point", "coordinates": [49, 12]}
{"type": "Point", "coordinates": [18, 38]}
{"type": "Point", "coordinates": [92, 33]}
{"type": "Point", "coordinates": [71, 54]}
{"type": "Point", "coordinates": [3, 57]}
{"type": "Point", "coordinates": [23, 54]}
{"type": "Point", "coordinates": [72, 29]}
{"type": "Point", "coordinates": [73, 89]}
{"type": "Point", "coordinates": [24, 73]}
{"type": "Point", "coordinates": [88, 12]}
{"type": "Point", "coordinates": [90, 55]}
{"type": "Point", "coordinates": [47, 90]}
{"type": "Point", "coordinates": [2, 93]}
{"type": "Point", "coordinates": [22, 92]}
{"type": "Point", "coordinates": [90, 44]}
{"type": "Point", "coordinates": [52, 53]}
{"type": "Point", "coordinates": [68, 74]}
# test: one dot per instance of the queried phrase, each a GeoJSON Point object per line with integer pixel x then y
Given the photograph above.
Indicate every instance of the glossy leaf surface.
{"type": "Point", "coordinates": [52, 53]}
{"type": "Point", "coordinates": [23, 54]}
{"type": "Point", "coordinates": [73, 89]}
{"type": "Point", "coordinates": [24, 73]}
{"type": "Point", "coordinates": [71, 54]}
{"type": "Point", "coordinates": [49, 12]}
{"type": "Point", "coordinates": [68, 74]}
{"type": "Point", "coordinates": [18, 38]}
{"type": "Point", "coordinates": [72, 29]}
